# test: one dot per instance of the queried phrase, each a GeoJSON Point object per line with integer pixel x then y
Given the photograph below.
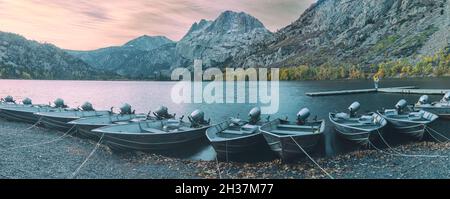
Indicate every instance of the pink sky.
{"type": "Point", "coordinates": [91, 24]}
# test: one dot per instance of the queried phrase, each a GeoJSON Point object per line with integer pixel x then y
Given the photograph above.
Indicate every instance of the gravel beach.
{"type": "Point", "coordinates": [62, 157]}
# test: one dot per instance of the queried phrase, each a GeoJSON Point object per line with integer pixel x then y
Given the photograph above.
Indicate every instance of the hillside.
{"type": "Point", "coordinates": [362, 32]}
{"type": "Point", "coordinates": [25, 59]}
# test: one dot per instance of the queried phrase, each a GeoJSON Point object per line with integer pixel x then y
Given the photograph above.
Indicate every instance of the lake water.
{"type": "Point", "coordinates": [146, 96]}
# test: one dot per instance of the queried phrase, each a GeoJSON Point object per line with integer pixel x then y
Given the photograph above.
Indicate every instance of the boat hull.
{"type": "Point", "coordinates": [59, 124]}
{"type": "Point", "coordinates": [287, 149]}
{"type": "Point", "coordinates": [236, 147]}
{"type": "Point", "coordinates": [85, 131]}
{"type": "Point", "coordinates": [151, 142]}
{"type": "Point", "coordinates": [412, 129]}
{"type": "Point", "coordinates": [357, 136]}
{"type": "Point", "coordinates": [19, 116]}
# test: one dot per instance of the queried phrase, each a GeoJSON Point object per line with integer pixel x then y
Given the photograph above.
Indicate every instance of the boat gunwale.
{"type": "Point", "coordinates": [80, 122]}
{"type": "Point", "coordinates": [51, 114]}
{"type": "Point", "coordinates": [102, 130]}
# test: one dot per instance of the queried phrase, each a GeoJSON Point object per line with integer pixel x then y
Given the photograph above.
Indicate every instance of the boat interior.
{"type": "Point", "coordinates": [74, 113]}
{"type": "Point", "coordinates": [109, 119]}
{"type": "Point", "coordinates": [233, 128]}
{"type": "Point", "coordinates": [154, 127]}
{"type": "Point", "coordinates": [291, 128]}
{"type": "Point", "coordinates": [362, 121]}
{"type": "Point", "coordinates": [411, 116]}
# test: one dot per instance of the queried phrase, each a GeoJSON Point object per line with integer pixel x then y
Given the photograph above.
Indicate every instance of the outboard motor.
{"type": "Point", "coordinates": [162, 112]}
{"type": "Point", "coordinates": [125, 109]}
{"type": "Point", "coordinates": [9, 99]}
{"type": "Point", "coordinates": [59, 103]}
{"type": "Point", "coordinates": [446, 97]}
{"type": "Point", "coordinates": [353, 108]}
{"type": "Point", "coordinates": [303, 115]}
{"type": "Point", "coordinates": [424, 100]}
{"type": "Point", "coordinates": [87, 107]}
{"type": "Point", "coordinates": [27, 101]}
{"type": "Point", "coordinates": [401, 105]}
{"type": "Point", "coordinates": [197, 118]}
{"type": "Point", "coordinates": [254, 115]}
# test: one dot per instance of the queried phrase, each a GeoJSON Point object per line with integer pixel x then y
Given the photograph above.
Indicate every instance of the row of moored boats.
{"type": "Point", "coordinates": [162, 131]}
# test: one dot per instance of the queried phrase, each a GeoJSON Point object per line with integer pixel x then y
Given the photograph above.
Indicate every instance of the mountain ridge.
{"type": "Point", "coordinates": [330, 32]}
{"type": "Point", "coordinates": [27, 59]}
{"type": "Point", "coordinates": [356, 32]}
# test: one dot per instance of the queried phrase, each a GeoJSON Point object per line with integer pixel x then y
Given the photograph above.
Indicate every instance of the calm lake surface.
{"type": "Point", "coordinates": [146, 96]}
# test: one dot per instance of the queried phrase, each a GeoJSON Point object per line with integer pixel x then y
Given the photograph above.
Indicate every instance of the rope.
{"type": "Point", "coordinates": [87, 158]}
{"type": "Point", "coordinates": [434, 131]}
{"type": "Point", "coordinates": [41, 143]}
{"type": "Point", "coordinates": [32, 126]}
{"type": "Point", "coordinates": [378, 149]}
{"type": "Point", "coordinates": [218, 168]}
{"type": "Point", "coordinates": [323, 170]}
{"type": "Point", "coordinates": [402, 154]}
{"type": "Point", "coordinates": [432, 136]}
{"type": "Point", "coordinates": [226, 150]}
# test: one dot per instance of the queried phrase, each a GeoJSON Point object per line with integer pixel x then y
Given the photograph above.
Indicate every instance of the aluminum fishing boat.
{"type": "Point", "coordinates": [406, 121]}
{"type": "Point", "coordinates": [441, 108]}
{"type": "Point", "coordinates": [155, 135]}
{"type": "Point", "coordinates": [360, 129]}
{"type": "Point", "coordinates": [286, 137]}
{"type": "Point", "coordinates": [236, 137]}
{"type": "Point", "coordinates": [59, 120]}
{"type": "Point", "coordinates": [24, 112]}
{"type": "Point", "coordinates": [84, 126]}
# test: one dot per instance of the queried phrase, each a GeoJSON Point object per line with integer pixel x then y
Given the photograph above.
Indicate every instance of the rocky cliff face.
{"type": "Point", "coordinates": [217, 42]}
{"type": "Point", "coordinates": [356, 31]}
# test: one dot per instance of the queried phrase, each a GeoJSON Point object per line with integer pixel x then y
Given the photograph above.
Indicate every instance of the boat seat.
{"type": "Point", "coordinates": [296, 126]}
{"type": "Point", "coordinates": [343, 116]}
{"type": "Point", "coordinates": [183, 128]}
{"type": "Point", "coordinates": [283, 132]}
{"type": "Point", "coordinates": [153, 130]}
{"type": "Point", "coordinates": [236, 132]}
{"type": "Point", "coordinates": [391, 112]}
{"type": "Point", "coordinates": [248, 128]}
{"type": "Point", "coordinates": [363, 125]}
{"type": "Point", "coordinates": [121, 122]}
{"type": "Point", "coordinates": [416, 116]}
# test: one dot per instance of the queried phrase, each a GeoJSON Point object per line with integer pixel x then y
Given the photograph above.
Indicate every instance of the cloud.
{"type": "Point", "coordinates": [90, 24]}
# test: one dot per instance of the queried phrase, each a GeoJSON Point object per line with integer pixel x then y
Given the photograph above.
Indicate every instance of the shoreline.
{"type": "Point", "coordinates": [60, 159]}
{"type": "Point", "coordinates": [300, 80]}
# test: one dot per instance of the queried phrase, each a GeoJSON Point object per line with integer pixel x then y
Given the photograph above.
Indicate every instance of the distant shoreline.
{"type": "Point", "coordinates": [305, 80]}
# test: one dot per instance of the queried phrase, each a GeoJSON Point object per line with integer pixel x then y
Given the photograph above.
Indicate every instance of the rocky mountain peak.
{"type": "Point", "coordinates": [230, 21]}
{"type": "Point", "coordinates": [198, 26]}
{"type": "Point", "coordinates": [218, 41]}
{"type": "Point", "coordinates": [146, 42]}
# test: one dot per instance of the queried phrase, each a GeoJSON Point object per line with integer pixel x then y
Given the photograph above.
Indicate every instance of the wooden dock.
{"type": "Point", "coordinates": [414, 91]}
{"type": "Point", "coordinates": [404, 89]}
{"type": "Point", "coordinates": [343, 92]}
